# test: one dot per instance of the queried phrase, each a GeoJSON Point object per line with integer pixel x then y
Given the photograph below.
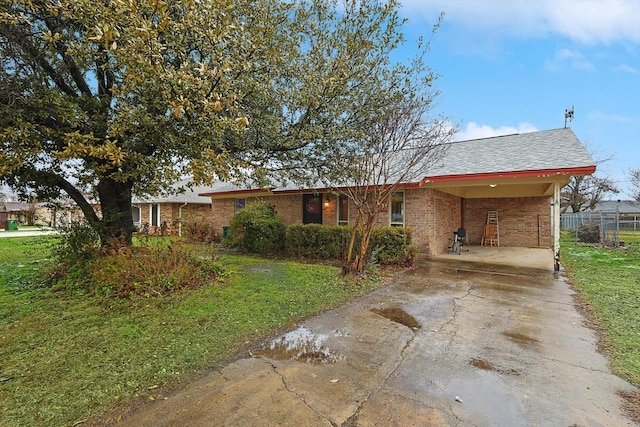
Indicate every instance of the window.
{"type": "Point", "coordinates": [155, 215]}
{"type": "Point", "coordinates": [135, 214]}
{"type": "Point", "coordinates": [396, 207]}
{"type": "Point", "coordinates": [240, 204]}
{"type": "Point", "coordinates": [343, 210]}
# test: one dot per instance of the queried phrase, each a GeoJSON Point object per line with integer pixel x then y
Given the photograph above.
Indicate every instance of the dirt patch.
{"type": "Point", "coordinates": [520, 338]}
{"type": "Point", "coordinates": [488, 366]}
{"type": "Point", "coordinates": [631, 405]}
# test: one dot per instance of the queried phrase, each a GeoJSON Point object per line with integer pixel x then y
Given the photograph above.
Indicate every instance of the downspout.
{"type": "Point", "coordinates": [556, 226]}
{"type": "Point", "coordinates": [180, 219]}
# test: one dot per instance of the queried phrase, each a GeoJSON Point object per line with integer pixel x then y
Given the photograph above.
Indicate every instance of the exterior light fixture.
{"type": "Point", "coordinates": [493, 185]}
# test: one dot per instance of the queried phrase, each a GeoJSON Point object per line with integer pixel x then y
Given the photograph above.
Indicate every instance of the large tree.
{"type": "Point", "coordinates": [119, 97]}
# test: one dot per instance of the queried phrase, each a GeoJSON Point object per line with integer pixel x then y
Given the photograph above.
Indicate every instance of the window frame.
{"type": "Point", "coordinates": [392, 221]}
{"type": "Point", "coordinates": [154, 220]}
{"type": "Point", "coordinates": [239, 204]}
{"type": "Point", "coordinates": [339, 219]}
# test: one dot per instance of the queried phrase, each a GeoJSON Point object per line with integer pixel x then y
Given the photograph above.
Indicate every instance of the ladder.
{"type": "Point", "coordinates": [492, 218]}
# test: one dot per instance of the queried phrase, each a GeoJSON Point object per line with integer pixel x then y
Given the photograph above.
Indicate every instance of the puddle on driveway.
{"type": "Point", "coordinates": [300, 345]}
{"type": "Point", "coordinates": [398, 315]}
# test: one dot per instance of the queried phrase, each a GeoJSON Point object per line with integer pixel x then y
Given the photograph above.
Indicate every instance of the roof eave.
{"type": "Point", "coordinates": [576, 171]}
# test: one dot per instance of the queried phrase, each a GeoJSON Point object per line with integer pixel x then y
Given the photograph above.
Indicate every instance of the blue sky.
{"type": "Point", "coordinates": [513, 66]}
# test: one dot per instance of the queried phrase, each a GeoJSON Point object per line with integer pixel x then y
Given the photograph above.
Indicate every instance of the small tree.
{"type": "Point", "coordinates": [634, 179]}
{"type": "Point", "coordinates": [396, 145]}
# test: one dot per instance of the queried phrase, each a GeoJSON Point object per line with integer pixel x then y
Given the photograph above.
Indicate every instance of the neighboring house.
{"type": "Point", "coordinates": [167, 214]}
{"type": "Point", "coordinates": [626, 207]}
{"type": "Point", "coordinates": [518, 176]}
{"type": "Point", "coordinates": [16, 210]}
{"type": "Point", "coordinates": [627, 211]}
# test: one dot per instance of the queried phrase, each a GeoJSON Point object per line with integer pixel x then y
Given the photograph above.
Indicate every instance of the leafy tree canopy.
{"type": "Point", "coordinates": [122, 97]}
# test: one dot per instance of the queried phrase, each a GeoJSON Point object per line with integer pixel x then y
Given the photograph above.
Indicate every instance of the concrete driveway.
{"type": "Point", "coordinates": [448, 344]}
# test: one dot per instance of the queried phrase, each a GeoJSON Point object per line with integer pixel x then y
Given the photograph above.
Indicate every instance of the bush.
{"type": "Point", "coordinates": [388, 245]}
{"type": "Point", "coordinates": [148, 271]}
{"type": "Point", "coordinates": [392, 245]}
{"type": "Point", "coordinates": [589, 232]}
{"type": "Point", "coordinates": [256, 229]}
{"type": "Point", "coordinates": [78, 242]}
{"type": "Point", "coordinates": [264, 235]}
{"type": "Point", "coordinates": [317, 241]}
{"type": "Point", "coordinates": [200, 232]}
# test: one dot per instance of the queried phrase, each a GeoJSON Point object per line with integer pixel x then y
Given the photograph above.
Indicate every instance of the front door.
{"type": "Point", "coordinates": [312, 208]}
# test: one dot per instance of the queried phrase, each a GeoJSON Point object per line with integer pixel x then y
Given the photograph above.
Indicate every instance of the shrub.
{"type": "Point", "coordinates": [78, 242]}
{"type": "Point", "coordinates": [264, 235]}
{"type": "Point", "coordinates": [200, 232]}
{"type": "Point", "coordinates": [256, 229]}
{"type": "Point", "coordinates": [388, 245]}
{"type": "Point", "coordinates": [147, 271]}
{"type": "Point", "coordinates": [392, 245]}
{"type": "Point", "coordinates": [317, 241]}
{"type": "Point", "coordinates": [589, 232]}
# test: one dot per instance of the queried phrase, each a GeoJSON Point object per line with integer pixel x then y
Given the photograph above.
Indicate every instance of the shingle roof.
{"type": "Point", "coordinates": [188, 196]}
{"type": "Point", "coordinates": [550, 150]}
{"type": "Point", "coordinates": [544, 150]}
{"type": "Point", "coordinates": [622, 206]}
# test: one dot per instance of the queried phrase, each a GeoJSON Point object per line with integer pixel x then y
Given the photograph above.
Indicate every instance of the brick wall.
{"type": "Point", "coordinates": [170, 213]}
{"type": "Point", "coordinates": [524, 221]}
{"type": "Point", "coordinates": [431, 215]}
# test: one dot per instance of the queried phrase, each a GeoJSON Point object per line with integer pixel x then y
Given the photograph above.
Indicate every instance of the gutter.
{"type": "Point", "coordinates": [180, 219]}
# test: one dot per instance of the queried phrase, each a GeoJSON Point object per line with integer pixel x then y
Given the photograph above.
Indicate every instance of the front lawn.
{"type": "Point", "coordinates": [66, 356]}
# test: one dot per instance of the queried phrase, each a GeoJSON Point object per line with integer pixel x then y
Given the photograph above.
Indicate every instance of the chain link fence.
{"type": "Point", "coordinates": [599, 227]}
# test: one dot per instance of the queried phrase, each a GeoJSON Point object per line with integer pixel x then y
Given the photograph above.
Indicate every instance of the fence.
{"type": "Point", "coordinates": [610, 224]}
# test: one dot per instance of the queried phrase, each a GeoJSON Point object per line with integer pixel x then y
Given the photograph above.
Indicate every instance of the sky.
{"type": "Point", "coordinates": [515, 66]}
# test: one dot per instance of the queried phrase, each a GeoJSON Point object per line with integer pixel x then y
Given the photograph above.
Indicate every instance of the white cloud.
{"type": "Point", "coordinates": [586, 21]}
{"type": "Point", "coordinates": [570, 58]}
{"type": "Point", "coordinates": [476, 131]}
{"type": "Point", "coordinates": [626, 69]}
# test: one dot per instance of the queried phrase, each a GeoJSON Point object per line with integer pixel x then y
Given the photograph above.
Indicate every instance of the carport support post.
{"type": "Point", "coordinates": [556, 226]}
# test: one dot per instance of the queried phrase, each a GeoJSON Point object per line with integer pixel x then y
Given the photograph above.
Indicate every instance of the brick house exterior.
{"type": "Point", "coordinates": [163, 215]}
{"type": "Point", "coordinates": [519, 176]}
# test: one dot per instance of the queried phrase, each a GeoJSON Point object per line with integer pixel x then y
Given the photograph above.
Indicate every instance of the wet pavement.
{"type": "Point", "coordinates": [448, 344]}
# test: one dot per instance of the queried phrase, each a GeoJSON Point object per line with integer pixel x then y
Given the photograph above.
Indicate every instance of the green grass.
{"type": "Point", "coordinates": [66, 357]}
{"type": "Point", "coordinates": [609, 281]}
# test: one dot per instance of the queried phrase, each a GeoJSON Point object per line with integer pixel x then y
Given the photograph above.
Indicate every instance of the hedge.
{"type": "Point", "coordinates": [390, 245]}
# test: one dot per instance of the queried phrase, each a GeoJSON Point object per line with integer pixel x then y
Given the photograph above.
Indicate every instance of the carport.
{"type": "Point", "coordinates": [517, 176]}
{"type": "Point", "coordinates": [518, 257]}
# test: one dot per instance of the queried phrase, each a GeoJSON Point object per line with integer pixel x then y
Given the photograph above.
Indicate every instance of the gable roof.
{"type": "Point", "coordinates": [535, 156]}
{"type": "Point", "coordinates": [622, 206]}
{"type": "Point", "coordinates": [557, 150]}
{"type": "Point", "coordinates": [190, 195]}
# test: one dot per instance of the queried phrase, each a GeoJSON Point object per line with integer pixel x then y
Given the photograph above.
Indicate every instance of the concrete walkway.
{"type": "Point", "coordinates": [30, 232]}
{"type": "Point", "coordinates": [446, 345]}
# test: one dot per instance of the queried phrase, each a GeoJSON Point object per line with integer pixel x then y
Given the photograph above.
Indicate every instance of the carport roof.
{"type": "Point", "coordinates": [554, 150]}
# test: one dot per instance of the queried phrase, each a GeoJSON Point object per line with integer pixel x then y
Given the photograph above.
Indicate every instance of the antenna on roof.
{"type": "Point", "coordinates": [568, 114]}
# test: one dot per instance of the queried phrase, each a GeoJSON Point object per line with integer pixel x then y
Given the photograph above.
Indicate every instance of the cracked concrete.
{"type": "Point", "coordinates": [506, 341]}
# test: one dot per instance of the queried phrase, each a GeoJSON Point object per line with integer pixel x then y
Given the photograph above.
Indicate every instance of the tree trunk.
{"type": "Point", "coordinates": [116, 225]}
{"type": "Point", "coordinates": [360, 262]}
